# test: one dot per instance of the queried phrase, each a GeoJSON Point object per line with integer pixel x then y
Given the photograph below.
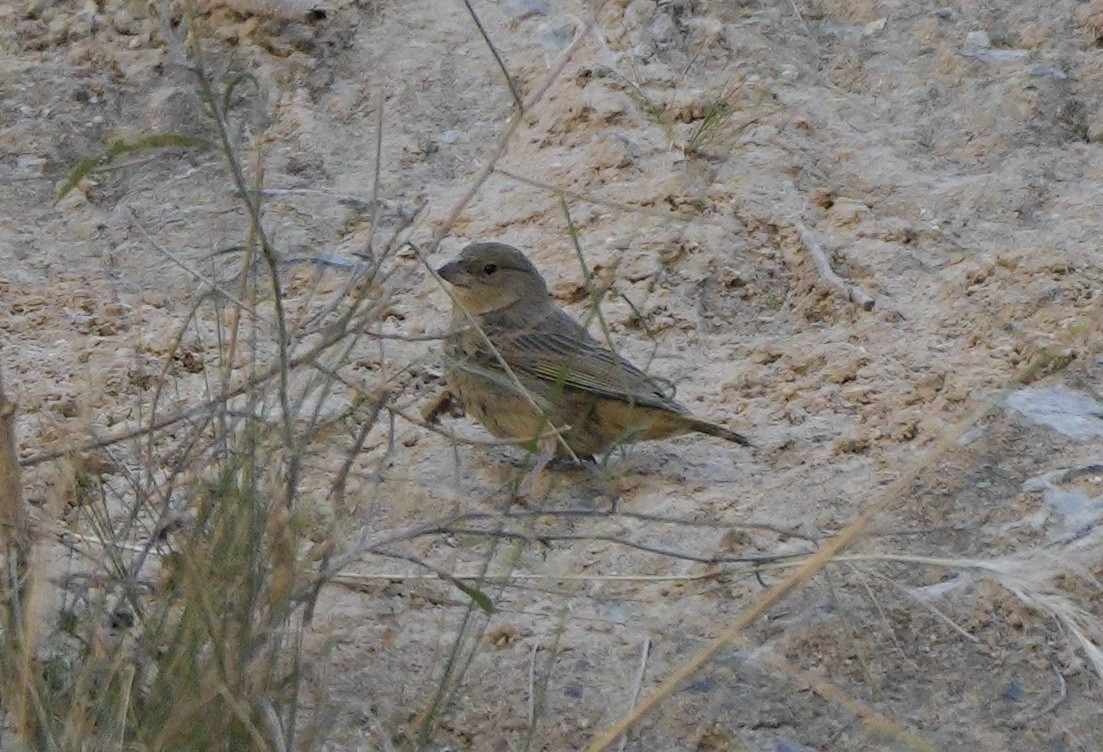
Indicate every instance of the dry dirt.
{"type": "Point", "coordinates": [953, 175]}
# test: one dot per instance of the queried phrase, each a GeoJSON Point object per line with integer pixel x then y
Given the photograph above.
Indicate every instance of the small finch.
{"type": "Point", "coordinates": [572, 383]}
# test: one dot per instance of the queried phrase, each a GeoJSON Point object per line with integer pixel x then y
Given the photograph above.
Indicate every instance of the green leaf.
{"type": "Point", "coordinates": [152, 141]}
{"type": "Point", "coordinates": [482, 600]}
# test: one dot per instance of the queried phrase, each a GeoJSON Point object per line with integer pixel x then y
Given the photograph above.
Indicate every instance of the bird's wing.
{"type": "Point", "coordinates": [564, 353]}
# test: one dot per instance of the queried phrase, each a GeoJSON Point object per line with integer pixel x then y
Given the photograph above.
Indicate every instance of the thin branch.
{"type": "Point", "coordinates": [358, 580]}
{"type": "Point", "coordinates": [377, 177]}
{"type": "Point", "coordinates": [531, 699]}
{"type": "Point", "coordinates": [453, 215]}
{"type": "Point", "coordinates": [498, 58]}
{"type": "Point", "coordinates": [637, 685]}
{"type": "Point", "coordinates": [865, 520]}
{"type": "Point", "coordinates": [214, 286]}
{"type": "Point", "coordinates": [853, 293]}
{"type": "Point", "coordinates": [538, 692]}
{"type": "Point", "coordinates": [548, 538]}
{"type": "Point", "coordinates": [507, 136]}
{"type": "Point", "coordinates": [514, 382]}
{"type": "Point", "coordinates": [13, 519]}
{"type": "Point", "coordinates": [17, 686]}
{"type": "Point", "coordinates": [927, 604]}
{"type": "Point", "coordinates": [333, 337]}
{"type": "Point", "coordinates": [253, 205]}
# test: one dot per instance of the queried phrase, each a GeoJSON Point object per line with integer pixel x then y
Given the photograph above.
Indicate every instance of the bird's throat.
{"type": "Point", "coordinates": [479, 303]}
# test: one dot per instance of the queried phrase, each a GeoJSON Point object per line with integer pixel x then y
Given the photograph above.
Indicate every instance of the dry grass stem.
{"type": "Point", "coordinates": [637, 686]}
{"type": "Point", "coordinates": [246, 497]}
{"type": "Point", "coordinates": [853, 293]}
{"type": "Point", "coordinates": [17, 662]}
{"type": "Point", "coordinates": [510, 81]}
{"type": "Point", "coordinates": [864, 521]}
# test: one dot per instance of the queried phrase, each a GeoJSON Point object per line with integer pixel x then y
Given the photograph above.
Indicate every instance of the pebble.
{"type": "Point", "coordinates": [976, 44]}
{"type": "Point", "coordinates": [1042, 69]}
{"type": "Point", "coordinates": [979, 45]}
{"type": "Point", "coordinates": [560, 37]}
{"type": "Point", "coordinates": [873, 27]}
{"type": "Point", "coordinates": [1095, 127]}
{"type": "Point", "coordinates": [1064, 491]}
{"type": "Point", "coordinates": [522, 9]}
{"type": "Point", "coordinates": [1076, 415]}
{"type": "Point", "coordinates": [783, 745]}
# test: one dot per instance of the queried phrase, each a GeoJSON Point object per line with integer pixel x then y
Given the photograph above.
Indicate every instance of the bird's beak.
{"type": "Point", "coordinates": [453, 273]}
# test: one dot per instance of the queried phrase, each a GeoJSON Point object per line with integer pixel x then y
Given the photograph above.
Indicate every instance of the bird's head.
{"type": "Point", "coordinates": [491, 276]}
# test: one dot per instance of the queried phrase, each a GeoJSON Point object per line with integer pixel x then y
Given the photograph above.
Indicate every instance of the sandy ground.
{"type": "Point", "coordinates": [945, 156]}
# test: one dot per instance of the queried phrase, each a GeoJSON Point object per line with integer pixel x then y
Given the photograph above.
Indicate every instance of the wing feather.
{"type": "Point", "coordinates": [560, 351]}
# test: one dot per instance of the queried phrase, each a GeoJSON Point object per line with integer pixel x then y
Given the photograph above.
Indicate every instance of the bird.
{"type": "Point", "coordinates": [526, 370]}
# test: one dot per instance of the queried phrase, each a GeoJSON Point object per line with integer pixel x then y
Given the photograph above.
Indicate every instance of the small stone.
{"type": "Point", "coordinates": [560, 37]}
{"type": "Point", "coordinates": [522, 9]}
{"type": "Point", "coordinates": [300, 36]}
{"type": "Point", "coordinates": [124, 22]}
{"type": "Point", "coordinates": [1095, 127]}
{"type": "Point", "coordinates": [873, 27]}
{"type": "Point", "coordinates": [784, 745]}
{"type": "Point", "coordinates": [1047, 70]}
{"type": "Point", "coordinates": [979, 39]}
{"type": "Point", "coordinates": [846, 212]}
{"type": "Point", "coordinates": [976, 44]}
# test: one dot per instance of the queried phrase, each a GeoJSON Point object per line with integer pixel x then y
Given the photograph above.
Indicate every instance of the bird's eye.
{"type": "Point", "coordinates": [490, 268]}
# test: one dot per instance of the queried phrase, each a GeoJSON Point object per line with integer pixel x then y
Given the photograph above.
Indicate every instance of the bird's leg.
{"type": "Point", "coordinates": [545, 452]}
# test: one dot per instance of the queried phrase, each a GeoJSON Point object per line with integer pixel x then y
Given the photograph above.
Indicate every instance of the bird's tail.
{"type": "Point", "coordinates": [715, 429]}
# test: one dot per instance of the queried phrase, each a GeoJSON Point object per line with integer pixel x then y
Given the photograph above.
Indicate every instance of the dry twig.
{"type": "Point", "coordinates": [637, 685]}
{"type": "Point", "coordinates": [853, 293]}
{"type": "Point", "coordinates": [865, 520]}
{"type": "Point", "coordinates": [16, 682]}
{"type": "Point", "coordinates": [513, 90]}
